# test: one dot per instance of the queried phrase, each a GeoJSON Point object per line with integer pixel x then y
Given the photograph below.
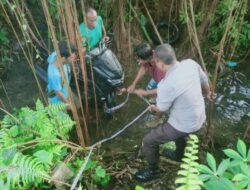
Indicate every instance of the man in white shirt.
{"type": "Point", "coordinates": [180, 93]}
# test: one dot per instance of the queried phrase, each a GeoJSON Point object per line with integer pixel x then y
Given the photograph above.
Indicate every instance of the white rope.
{"type": "Point", "coordinates": [100, 142]}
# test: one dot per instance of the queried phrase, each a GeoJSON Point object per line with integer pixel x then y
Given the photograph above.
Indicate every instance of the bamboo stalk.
{"type": "Point", "coordinates": [209, 131]}
{"type": "Point", "coordinates": [152, 22]}
{"type": "Point", "coordinates": [91, 69]}
{"type": "Point", "coordinates": [69, 20]}
{"type": "Point", "coordinates": [27, 56]}
{"type": "Point", "coordinates": [82, 60]}
{"type": "Point", "coordinates": [246, 131]}
{"type": "Point", "coordinates": [59, 58]}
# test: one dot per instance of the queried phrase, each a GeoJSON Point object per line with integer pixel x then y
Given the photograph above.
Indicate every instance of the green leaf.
{"type": "Point", "coordinates": [90, 164]}
{"type": "Point", "coordinates": [204, 169]}
{"type": "Point", "coordinates": [211, 162]}
{"type": "Point", "coordinates": [3, 186]}
{"type": "Point", "coordinates": [44, 156]}
{"type": "Point", "coordinates": [100, 172]}
{"type": "Point", "coordinates": [8, 155]}
{"type": "Point", "coordinates": [232, 154]}
{"type": "Point", "coordinates": [14, 131]}
{"type": "Point", "coordinates": [205, 177]}
{"type": "Point", "coordinates": [39, 105]}
{"type": "Point", "coordinates": [245, 169]}
{"type": "Point", "coordinates": [239, 177]}
{"type": "Point", "coordinates": [223, 167]}
{"type": "Point", "coordinates": [138, 187]}
{"type": "Point", "coordinates": [241, 147]}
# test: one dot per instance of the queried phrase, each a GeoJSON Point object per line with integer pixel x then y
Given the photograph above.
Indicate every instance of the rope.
{"type": "Point", "coordinates": [105, 140]}
{"type": "Point", "coordinates": [110, 110]}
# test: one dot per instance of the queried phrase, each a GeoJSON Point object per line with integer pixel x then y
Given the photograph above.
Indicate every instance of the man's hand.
{"type": "Point", "coordinates": [153, 108]}
{"type": "Point", "coordinates": [106, 39]}
{"type": "Point", "coordinates": [209, 96]}
{"type": "Point", "coordinates": [140, 92]}
{"type": "Point", "coordinates": [131, 88]}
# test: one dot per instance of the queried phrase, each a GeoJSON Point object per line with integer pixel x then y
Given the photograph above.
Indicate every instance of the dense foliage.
{"type": "Point", "coordinates": [232, 173]}
{"type": "Point", "coordinates": [34, 142]}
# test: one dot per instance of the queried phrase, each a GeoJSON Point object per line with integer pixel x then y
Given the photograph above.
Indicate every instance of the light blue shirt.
{"type": "Point", "coordinates": [55, 79]}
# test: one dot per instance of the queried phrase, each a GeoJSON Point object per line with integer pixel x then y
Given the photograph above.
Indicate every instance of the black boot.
{"type": "Point", "coordinates": [172, 155]}
{"type": "Point", "coordinates": [147, 174]}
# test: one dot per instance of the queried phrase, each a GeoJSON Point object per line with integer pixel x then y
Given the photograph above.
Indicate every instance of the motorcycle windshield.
{"type": "Point", "coordinates": [107, 65]}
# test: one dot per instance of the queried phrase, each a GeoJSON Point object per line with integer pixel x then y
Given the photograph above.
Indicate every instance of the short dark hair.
{"type": "Point", "coordinates": [64, 49]}
{"type": "Point", "coordinates": [165, 53]}
{"type": "Point", "coordinates": [143, 51]}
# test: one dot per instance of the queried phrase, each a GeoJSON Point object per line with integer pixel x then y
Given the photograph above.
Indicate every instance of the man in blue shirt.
{"type": "Point", "coordinates": [92, 32]}
{"type": "Point", "coordinates": [57, 87]}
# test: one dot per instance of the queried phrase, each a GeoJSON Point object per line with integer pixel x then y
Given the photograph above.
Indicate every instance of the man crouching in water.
{"type": "Point", "coordinates": [180, 93]}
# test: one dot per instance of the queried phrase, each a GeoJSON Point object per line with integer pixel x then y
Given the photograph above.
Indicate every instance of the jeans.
{"type": "Point", "coordinates": [152, 84]}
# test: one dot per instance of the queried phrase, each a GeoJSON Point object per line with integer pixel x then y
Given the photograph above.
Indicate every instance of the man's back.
{"type": "Point", "coordinates": [181, 92]}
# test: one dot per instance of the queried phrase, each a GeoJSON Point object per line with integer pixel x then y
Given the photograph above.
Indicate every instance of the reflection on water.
{"type": "Point", "coordinates": [233, 97]}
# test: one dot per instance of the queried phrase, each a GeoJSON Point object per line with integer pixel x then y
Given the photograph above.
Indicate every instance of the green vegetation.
{"type": "Point", "coordinates": [239, 35]}
{"type": "Point", "coordinates": [34, 142]}
{"type": "Point", "coordinates": [189, 174]}
{"type": "Point", "coordinates": [232, 173]}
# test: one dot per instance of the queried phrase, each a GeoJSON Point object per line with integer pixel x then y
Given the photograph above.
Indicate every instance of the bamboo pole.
{"type": "Point", "coordinates": [82, 61]}
{"type": "Point", "coordinates": [69, 20]}
{"type": "Point", "coordinates": [59, 58]}
{"type": "Point", "coordinates": [63, 20]}
{"type": "Point", "coordinates": [91, 69]}
{"type": "Point", "coordinates": [152, 22]}
{"type": "Point", "coordinates": [27, 56]}
{"type": "Point", "coordinates": [246, 131]}
{"type": "Point", "coordinates": [209, 129]}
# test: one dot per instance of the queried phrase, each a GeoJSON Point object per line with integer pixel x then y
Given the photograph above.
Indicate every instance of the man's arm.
{"type": "Point", "coordinates": [142, 92]}
{"type": "Point", "coordinates": [61, 96]}
{"type": "Point", "coordinates": [104, 31]}
{"type": "Point", "coordinates": [139, 75]}
{"type": "Point", "coordinates": [206, 91]}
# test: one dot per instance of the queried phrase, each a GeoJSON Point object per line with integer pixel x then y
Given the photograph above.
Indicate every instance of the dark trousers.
{"type": "Point", "coordinates": [160, 135]}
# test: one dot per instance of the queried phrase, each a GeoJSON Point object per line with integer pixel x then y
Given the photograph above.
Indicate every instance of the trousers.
{"type": "Point", "coordinates": [160, 135]}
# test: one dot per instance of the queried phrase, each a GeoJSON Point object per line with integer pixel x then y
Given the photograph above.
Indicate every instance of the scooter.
{"type": "Point", "coordinates": [107, 71]}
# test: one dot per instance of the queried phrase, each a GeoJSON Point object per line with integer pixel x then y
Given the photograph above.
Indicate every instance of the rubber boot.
{"type": "Point", "coordinates": [147, 174]}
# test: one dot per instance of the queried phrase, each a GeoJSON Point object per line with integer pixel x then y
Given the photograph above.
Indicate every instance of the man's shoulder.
{"type": "Point", "coordinates": [52, 57]}
{"type": "Point", "coordinates": [99, 18]}
{"type": "Point", "coordinates": [188, 61]}
{"type": "Point", "coordinates": [82, 27]}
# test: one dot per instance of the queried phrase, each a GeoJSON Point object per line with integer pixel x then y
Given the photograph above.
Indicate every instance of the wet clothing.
{"type": "Point", "coordinates": [156, 73]}
{"type": "Point", "coordinates": [55, 82]}
{"type": "Point", "coordinates": [92, 35]}
{"type": "Point", "coordinates": [180, 93]}
{"type": "Point", "coordinates": [162, 134]}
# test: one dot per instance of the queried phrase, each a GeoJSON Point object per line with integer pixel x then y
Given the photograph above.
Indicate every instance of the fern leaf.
{"type": "Point", "coordinates": [54, 109]}
{"type": "Point", "coordinates": [26, 170]}
{"type": "Point", "coordinates": [188, 174]}
{"type": "Point", "coordinates": [39, 105]}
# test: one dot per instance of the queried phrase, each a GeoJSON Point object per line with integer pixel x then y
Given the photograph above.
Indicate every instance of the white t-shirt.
{"type": "Point", "coordinates": [180, 93]}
